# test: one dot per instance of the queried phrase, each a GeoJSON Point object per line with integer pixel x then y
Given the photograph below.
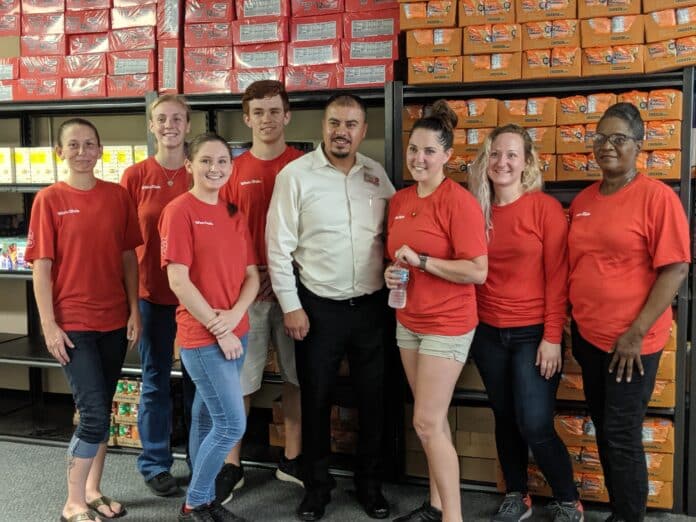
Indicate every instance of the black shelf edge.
{"type": "Point", "coordinates": [20, 275]}
{"type": "Point", "coordinates": [466, 485]}
{"type": "Point", "coordinates": [91, 105]}
{"type": "Point", "coordinates": [558, 86]}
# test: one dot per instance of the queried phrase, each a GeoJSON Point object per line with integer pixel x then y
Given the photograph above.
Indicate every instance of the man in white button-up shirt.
{"type": "Point", "coordinates": [324, 236]}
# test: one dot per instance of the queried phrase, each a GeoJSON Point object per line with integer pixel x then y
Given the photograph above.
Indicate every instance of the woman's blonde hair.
{"type": "Point", "coordinates": [479, 183]}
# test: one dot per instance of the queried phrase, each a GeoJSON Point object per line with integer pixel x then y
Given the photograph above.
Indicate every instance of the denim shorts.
{"type": "Point", "coordinates": [447, 346]}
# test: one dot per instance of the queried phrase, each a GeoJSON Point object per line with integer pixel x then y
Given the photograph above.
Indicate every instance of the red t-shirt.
{"type": "Point", "coordinates": [147, 185]}
{"type": "Point", "coordinates": [250, 188]}
{"type": "Point", "coordinates": [616, 245]}
{"type": "Point", "coordinates": [217, 250]}
{"type": "Point", "coordinates": [527, 279]}
{"type": "Point", "coordinates": [447, 224]}
{"type": "Point", "coordinates": [84, 233]}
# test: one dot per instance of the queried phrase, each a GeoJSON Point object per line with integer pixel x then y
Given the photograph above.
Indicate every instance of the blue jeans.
{"type": "Point", "coordinates": [523, 404]}
{"type": "Point", "coordinates": [218, 416]}
{"type": "Point", "coordinates": [93, 371]}
{"type": "Point", "coordinates": [155, 410]}
{"type": "Point", "coordinates": [618, 410]}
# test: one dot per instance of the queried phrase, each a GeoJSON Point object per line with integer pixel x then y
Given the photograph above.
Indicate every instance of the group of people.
{"type": "Point", "coordinates": [225, 256]}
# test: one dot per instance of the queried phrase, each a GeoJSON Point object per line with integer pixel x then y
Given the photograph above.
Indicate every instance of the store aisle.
{"type": "Point", "coordinates": [34, 485]}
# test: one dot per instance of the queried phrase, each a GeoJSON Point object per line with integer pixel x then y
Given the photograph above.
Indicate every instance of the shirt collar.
{"type": "Point", "coordinates": [320, 160]}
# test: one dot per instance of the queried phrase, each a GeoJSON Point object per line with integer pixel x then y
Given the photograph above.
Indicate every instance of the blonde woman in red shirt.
{"type": "Point", "coordinates": [522, 308]}
{"type": "Point", "coordinates": [435, 229]}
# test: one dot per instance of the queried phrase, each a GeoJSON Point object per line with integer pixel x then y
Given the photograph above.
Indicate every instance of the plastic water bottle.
{"type": "Point", "coordinates": [397, 296]}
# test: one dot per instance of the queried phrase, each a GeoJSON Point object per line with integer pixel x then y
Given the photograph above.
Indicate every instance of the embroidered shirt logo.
{"type": "Point", "coordinates": [251, 182]}
{"type": "Point", "coordinates": [400, 216]}
{"type": "Point", "coordinates": [209, 223]}
{"type": "Point", "coordinates": [369, 178]}
{"type": "Point", "coordinates": [69, 211]}
{"type": "Point", "coordinates": [150, 187]}
{"type": "Point", "coordinates": [583, 214]}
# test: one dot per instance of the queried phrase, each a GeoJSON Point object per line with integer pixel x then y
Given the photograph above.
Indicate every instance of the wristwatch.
{"type": "Point", "coordinates": [423, 259]}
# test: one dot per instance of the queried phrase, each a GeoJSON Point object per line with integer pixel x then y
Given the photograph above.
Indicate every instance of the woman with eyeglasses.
{"type": "Point", "coordinates": [629, 252]}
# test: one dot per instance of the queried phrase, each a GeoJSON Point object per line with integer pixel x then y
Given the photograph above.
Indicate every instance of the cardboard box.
{"type": "Point", "coordinates": [323, 52]}
{"type": "Point", "coordinates": [543, 138]}
{"type": "Point", "coordinates": [570, 388]}
{"type": "Point", "coordinates": [457, 168]}
{"type": "Point", "coordinates": [583, 109]}
{"type": "Point", "coordinates": [656, 30]}
{"type": "Point", "coordinates": [663, 104]}
{"type": "Point", "coordinates": [593, 9]}
{"type": "Point", "coordinates": [575, 430]}
{"type": "Point", "coordinates": [424, 15]}
{"type": "Point", "coordinates": [126, 413]}
{"type": "Point", "coordinates": [170, 66]}
{"type": "Point", "coordinates": [134, 16]}
{"type": "Point", "coordinates": [208, 35]}
{"type": "Point", "coordinates": [618, 59]}
{"type": "Point", "coordinates": [416, 464]}
{"type": "Point", "coordinates": [316, 77]}
{"type": "Point", "coordinates": [22, 165]}
{"type": "Point", "coordinates": [128, 390]}
{"type": "Point", "coordinates": [199, 82]}
{"type": "Point", "coordinates": [78, 5]}
{"type": "Point", "coordinates": [658, 435]}
{"type": "Point", "coordinates": [10, 47]}
{"type": "Point", "coordinates": [559, 62]}
{"type": "Point", "coordinates": [211, 11]}
{"type": "Point", "coordinates": [474, 139]}
{"type": "Point", "coordinates": [550, 33]}
{"type": "Point", "coordinates": [531, 112]}
{"type": "Point", "coordinates": [374, 75]}
{"type": "Point", "coordinates": [353, 6]}
{"type": "Point", "coordinates": [472, 444]}
{"type": "Point", "coordinates": [131, 62]}
{"type": "Point", "coordinates": [667, 369]}
{"type": "Point", "coordinates": [169, 20]}
{"type": "Point", "coordinates": [43, 6]}
{"type": "Point", "coordinates": [259, 31]}
{"type": "Point", "coordinates": [209, 58]}
{"type": "Point", "coordinates": [240, 79]}
{"type": "Point", "coordinates": [664, 395]}
{"type": "Point", "coordinates": [475, 112]}
{"type": "Point", "coordinates": [316, 28]}
{"type": "Point", "coordinates": [660, 466]}
{"type": "Point", "coordinates": [88, 43]}
{"type": "Point", "coordinates": [533, 11]}
{"type": "Point", "coordinates": [662, 134]}
{"type": "Point", "coordinates": [84, 87]}
{"type": "Point", "coordinates": [664, 164]}
{"type": "Point", "coordinates": [276, 435]}
{"type": "Point", "coordinates": [129, 85]}
{"type": "Point", "coordinates": [32, 89]}
{"type": "Point", "coordinates": [259, 56]}
{"type": "Point", "coordinates": [442, 69]}
{"type": "Point", "coordinates": [7, 168]}
{"type": "Point", "coordinates": [40, 66]}
{"type": "Point", "coordinates": [254, 9]}
{"type": "Point", "coordinates": [492, 67]}
{"type": "Point", "coordinates": [433, 42]}
{"type": "Point", "coordinates": [409, 115]}
{"type": "Point", "coordinates": [547, 163]}
{"type": "Point", "coordinates": [671, 345]}
{"type": "Point", "coordinates": [345, 442]}
{"type": "Point", "coordinates": [655, 5]}
{"type": "Point", "coordinates": [570, 364]}
{"type": "Point", "coordinates": [369, 51]}
{"type": "Point", "coordinates": [575, 166]}
{"type": "Point", "coordinates": [302, 8]}
{"type": "Point", "coordinates": [370, 24]}
{"type": "Point", "coordinates": [43, 23]}
{"type": "Point", "coordinates": [477, 12]}
{"type": "Point", "coordinates": [660, 494]}
{"type": "Point", "coordinates": [50, 44]}
{"type": "Point", "coordinates": [470, 379]}
{"type": "Point", "coordinates": [10, 25]}
{"type": "Point", "coordinates": [132, 39]}
{"type": "Point", "coordinates": [572, 138]}
{"type": "Point", "coordinates": [668, 55]}
{"type": "Point", "coordinates": [82, 65]}
{"type": "Point", "coordinates": [491, 38]}
{"type": "Point", "coordinates": [618, 30]}
{"type": "Point", "coordinates": [477, 469]}
{"type": "Point", "coordinates": [475, 419]}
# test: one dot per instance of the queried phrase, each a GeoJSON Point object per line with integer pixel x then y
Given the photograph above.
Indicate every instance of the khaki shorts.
{"type": "Point", "coordinates": [266, 325]}
{"type": "Point", "coordinates": [448, 346]}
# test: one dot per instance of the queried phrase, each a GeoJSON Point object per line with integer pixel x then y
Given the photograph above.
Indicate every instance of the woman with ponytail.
{"type": "Point", "coordinates": [436, 231]}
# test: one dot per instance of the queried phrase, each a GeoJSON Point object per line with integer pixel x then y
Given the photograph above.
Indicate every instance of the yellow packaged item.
{"type": "Point", "coordinates": [476, 107]}
{"type": "Point", "coordinates": [662, 159]}
{"type": "Point", "coordinates": [660, 130]}
{"type": "Point", "coordinates": [642, 160]}
{"type": "Point", "coordinates": [626, 53]}
{"type": "Point", "coordinates": [478, 34]}
{"type": "Point", "coordinates": [415, 10]}
{"type": "Point", "coordinates": [503, 32]}
{"type": "Point", "coordinates": [622, 24]}
{"type": "Point", "coordinates": [664, 49]}
{"type": "Point", "coordinates": [564, 28]}
{"type": "Point", "coordinates": [662, 99]}
{"type": "Point", "coordinates": [686, 46]}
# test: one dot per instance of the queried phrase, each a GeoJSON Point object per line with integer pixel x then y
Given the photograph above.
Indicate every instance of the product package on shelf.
{"type": "Point", "coordinates": [12, 251]}
{"type": "Point", "coordinates": [316, 28]}
{"type": "Point", "coordinates": [425, 15]}
{"type": "Point", "coordinates": [492, 67]}
{"type": "Point", "coordinates": [314, 78]}
{"type": "Point", "coordinates": [84, 87]}
{"type": "Point", "coordinates": [134, 16]}
{"type": "Point", "coordinates": [208, 11]}
{"type": "Point", "coordinates": [313, 53]}
{"type": "Point", "coordinates": [356, 76]}
{"type": "Point", "coordinates": [558, 62]}
{"type": "Point", "coordinates": [170, 66]}
{"type": "Point", "coordinates": [476, 12]}
{"type": "Point", "coordinates": [240, 79]}
{"type": "Point", "coordinates": [259, 30]}
{"type": "Point", "coordinates": [617, 30]}
{"type": "Point", "coordinates": [547, 34]}
{"type": "Point", "coordinates": [169, 19]}
{"type": "Point", "coordinates": [217, 34]}
{"type": "Point", "coordinates": [616, 59]}
{"type": "Point", "coordinates": [129, 85]}
{"type": "Point", "coordinates": [260, 56]}
{"type": "Point", "coordinates": [302, 8]}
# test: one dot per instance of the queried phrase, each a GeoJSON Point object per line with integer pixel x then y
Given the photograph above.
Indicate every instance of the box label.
{"type": "Point", "coordinates": [316, 31]}
{"type": "Point", "coordinates": [367, 28]}
{"type": "Point", "coordinates": [262, 8]}
{"type": "Point", "coordinates": [131, 66]}
{"type": "Point", "coordinates": [365, 74]}
{"type": "Point", "coordinates": [168, 72]}
{"type": "Point", "coordinates": [313, 55]}
{"type": "Point", "coordinates": [249, 33]}
{"type": "Point", "coordinates": [371, 50]}
{"type": "Point", "coordinates": [260, 59]}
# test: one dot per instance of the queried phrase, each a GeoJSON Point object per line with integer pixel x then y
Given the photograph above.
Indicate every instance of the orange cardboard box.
{"type": "Point", "coordinates": [477, 12]}
{"type": "Point", "coordinates": [669, 24]}
{"type": "Point", "coordinates": [617, 30]}
{"type": "Point", "coordinates": [660, 466]}
{"type": "Point", "coordinates": [476, 112]}
{"type": "Point", "coordinates": [559, 62]}
{"type": "Point", "coordinates": [618, 59]}
{"type": "Point", "coordinates": [475, 419]}
{"type": "Point", "coordinates": [669, 54]}
{"type": "Point", "coordinates": [664, 395]}
{"type": "Point", "coordinates": [656, 5]}
{"type": "Point", "coordinates": [671, 345]}
{"type": "Point", "coordinates": [658, 435]}
{"type": "Point", "coordinates": [276, 435]}
{"type": "Point", "coordinates": [572, 167]}
{"type": "Point", "coordinates": [664, 164]}
{"type": "Point", "coordinates": [457, 168]}
{"type": "Point", "coordinates": [664, 104]}
{"type": "Point", "coordinates": [532, 112]}
{"type": "Point", "coordinates": [409, 115]}
{"type": "Point", "coordinates": [593, 9]}
{"type": "Point", "coordinates": [667, 369]}
{"type": "Point", "coordinates": [547, 163]}
{"type": "Point", "coordinates": [570, 388]}
{"type": "Point", "coordinates": [477, 469]}
{"type": "Point", "coordinates": [583, 109]}
{"type": "Point", "coordinates": [570, 365]}
{"type": "Point", "coordinates": [475, 138]}
{"type": "Point", "coordinates": [492, 67]}
{"type": "Point", "coordinates": [424, 15]}
{"type": "Point", "coordinates": [433, 42]}
{"type": "Point", "coordinates": [531, 10]}
{"type": "Point", "coordinates": [571, 138]}
{"type": "Point", "coordinates": [459, 142]}
{"type": "Point", "coordinates": [550, 33]}
{"type": "Point", "coordinates": [437, 69]}
{"type": "Point", "coordinates": [585, 459]}
{"type": "Point", "coordinates": [575, 430]}
{"type": "Point", "coordinates": [491, 38]}
{"type": "Point", "coordinates": [544, 139]}
{"type": "Point", "coordinates": [662, 134]}
{"type": "Point", "coordinates": [661, 494]}
{"type": "Point", "coordinates": [472, 444]}
{"type": "Point", "coordinates": [470, 379]}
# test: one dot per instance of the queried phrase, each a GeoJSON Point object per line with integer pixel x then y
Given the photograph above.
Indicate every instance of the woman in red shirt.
{"type": "Point", "coordinates": [82, 240]}
{"type": "Point", "coordinates": [522, 309]}
{"type": "Point", "coordinates": [436, 230]}
{"type": "Point", "coordinates": [629, 253]}
{"type": "Point", "coordinates": [211, 266]}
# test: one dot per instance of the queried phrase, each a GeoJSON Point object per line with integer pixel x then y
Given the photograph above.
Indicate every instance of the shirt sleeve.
{"type": "Point", "coordinates": [467, 228]}
{"type": "Point", "coordinates": [176, 240]}
{"type": "Point", "coordinates": [554, 233]}
{"type": "Point", "coordinates": [227, 193]}
{"type": "Point", "coordinates": [129, 181]}
{"type": "Point", "coordinates": [246, 235]}
{"type": "Point", "coordinates": [282, 237]}
{"type": "Point", "coordinates": [667, 230]}
{"type": "Point", "coordinates": [41, 239]}
{"type": "Point", "coordinates": [132, 236]}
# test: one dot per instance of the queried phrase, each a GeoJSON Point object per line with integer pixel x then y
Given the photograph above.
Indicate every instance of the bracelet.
{"type": "Point", "coordinates": [423, 258]}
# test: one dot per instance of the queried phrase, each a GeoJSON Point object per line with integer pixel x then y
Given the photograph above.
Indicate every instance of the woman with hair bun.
{"type": "Point", "coordinates": [522, 309]}
{"type": "Point", "coordinates": [436, 231]}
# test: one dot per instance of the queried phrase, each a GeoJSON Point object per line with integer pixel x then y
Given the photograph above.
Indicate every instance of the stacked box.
{"type": "Point", "coordinates": [115, 159]}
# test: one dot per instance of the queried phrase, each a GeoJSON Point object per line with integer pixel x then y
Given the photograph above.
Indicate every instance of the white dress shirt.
{"type": "Point", "coordinates": [330, 226]}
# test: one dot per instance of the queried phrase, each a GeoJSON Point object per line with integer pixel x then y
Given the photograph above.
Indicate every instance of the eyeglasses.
{"type": "Point", "coordinates": [617, 140]}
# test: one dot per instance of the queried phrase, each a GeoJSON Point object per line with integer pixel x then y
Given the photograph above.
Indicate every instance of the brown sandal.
{"type": "Point", "coordinates": [85, 516]}
{"type": "Point", "coordinates": [105, 501]}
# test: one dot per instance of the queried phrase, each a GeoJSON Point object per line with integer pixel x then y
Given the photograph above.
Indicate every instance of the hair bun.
{"type": "Point", "coordinates": [441, 110]}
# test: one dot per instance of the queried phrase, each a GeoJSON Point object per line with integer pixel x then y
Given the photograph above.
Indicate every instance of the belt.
{"type": "Point", "coordinates": [352, 301]}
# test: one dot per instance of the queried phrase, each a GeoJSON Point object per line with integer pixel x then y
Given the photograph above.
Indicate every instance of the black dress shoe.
{"type": "Point", "coordinates": [425, 513]}
{"type": "Point", "coordinates": [313, 505]}
{"type": "Point", "coordinates": [374, 504]}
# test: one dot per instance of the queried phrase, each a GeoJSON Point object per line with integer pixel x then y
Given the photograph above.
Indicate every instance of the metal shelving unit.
{"type": "Point", "coordinates": [400, 95]}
